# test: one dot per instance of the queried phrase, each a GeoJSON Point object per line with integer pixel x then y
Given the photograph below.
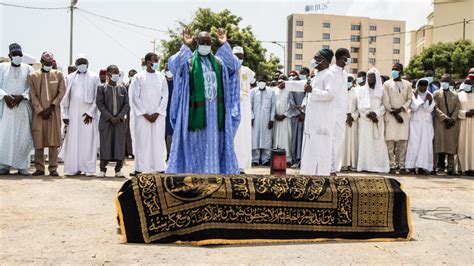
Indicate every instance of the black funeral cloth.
{"type": "Point", "coordinates": [232, 209]}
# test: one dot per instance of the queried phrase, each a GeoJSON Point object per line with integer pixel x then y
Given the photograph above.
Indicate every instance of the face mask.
{"type": "Point", "coordinates": [204, 49]}
{"type": "Point", "coordinates": [47, 68]}
{"type": "Point", "coordinates": [303, 77]}
{"type": "Point", "coordinates": [451, 88]}
{"type": "Point", "coordinates": [291, 78]}
{"type": "Point", "coordinates": [430, 79]}
{"type": "Point", "coordinates": [115, 77]}
{"type": "Point", "coordinates": [16, 59]}
{"type": "Point", "coordinates": [155, 66]}
{"type": "Point", "coordinates": [467, 88]}
{"type": "Point", "coordinates": [313, 63]}
{"type": "Point", "coordinates": [241, 61]}
{"type": "Point", "coordinates": [395, 74]}
{"type": "Point", "coordinates": [349, 84]}
{"type": "Point", "coordinates": [169, 74]}
{"type": "Point", "coordinates": [360, 80]}
{"type": "Point", "coordinates": [261, 85]}
{"type": "Point", "coordinates": [82, 68]}
{"type": "Point", "coordinates": [444, 86]}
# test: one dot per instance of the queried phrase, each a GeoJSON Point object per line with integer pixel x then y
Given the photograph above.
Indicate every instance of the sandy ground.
{"type": "Point", "coordinates": [72, 220]}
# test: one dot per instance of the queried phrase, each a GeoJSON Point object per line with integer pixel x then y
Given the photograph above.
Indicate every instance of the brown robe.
{"type": "Point", "coordinates": [46, 89]}
{"type": "Point", "coordinates": [446, 140]}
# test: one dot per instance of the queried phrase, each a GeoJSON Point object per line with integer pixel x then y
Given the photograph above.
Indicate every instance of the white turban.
{"type": "Point", "coordinates": [238, 50]}
{"type": "Point", "coordinates": [81, 56]}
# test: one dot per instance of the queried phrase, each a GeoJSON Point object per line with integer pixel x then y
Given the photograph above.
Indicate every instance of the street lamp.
{"type": "Point", "coordinates": [71, 7]}
{"type": "Point", "coordinates": [284, 54]}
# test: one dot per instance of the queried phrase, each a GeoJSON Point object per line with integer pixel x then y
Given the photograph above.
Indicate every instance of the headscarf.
{"type": "Point", "coordinates": [47, 57]}
{"type": "Point", "coordinates": [422, 95]}
{"type": "Point", "coordinates": [364, 103]}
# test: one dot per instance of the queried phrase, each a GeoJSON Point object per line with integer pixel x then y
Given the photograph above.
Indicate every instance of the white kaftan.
{"type": "Point", "coordinates": [466, 132]}
{"type": "Point", "coordinates": [351, 140]}
{"type": "Point", "coordinates": [149, 96]}
{"type": "Point", "coordinates": [282, 129]}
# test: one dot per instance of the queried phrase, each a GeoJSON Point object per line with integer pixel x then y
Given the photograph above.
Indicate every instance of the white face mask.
{"type": "Point", "coordinates": [204, 49]}
{"type": "Point", "coordinates": [241, 61]}
{"type": "Point", "coordinates": [47, 68]}
{"type": "Point", "coordinates": [82, 68]}
{"type": "Point", "coordinates": [430, 79]}
{"type": "Point", "coordinates": [360, 80]}
{"type": "Point", "coordinates": [115, 77]}
{"type": "Point", "coordinates": [349, 84]}
{"type": "Point", "coordinates": [155, 66]}
{"type": "Point", "coordinates": [451, 88]}
{"type": "Point", "coordinates": [313, 63]}
{"type": "Point", "coordinates": [444, 86]}
{"type": "Point", "coordinates": [168, 74]}
{"type": "Point", "coordinates": [291, 78]}
{"type": "Point", "coordinates": [17, 59]}
{"type": "Point", "coordinates": [261, 85]}
{"type": "Point", "coordinates": [303, 77]}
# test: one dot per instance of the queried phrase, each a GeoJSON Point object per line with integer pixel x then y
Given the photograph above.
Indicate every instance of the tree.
{"type": "Point", "coordinates": [206, 20]}
{"type": "Point", "coordinates": [453, 57]}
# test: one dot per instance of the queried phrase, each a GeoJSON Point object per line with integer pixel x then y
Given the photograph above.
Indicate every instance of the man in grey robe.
{"type": "Point", "coordinates": [112, 101]}
{"type": "Point", "coordinates": [262, 100]}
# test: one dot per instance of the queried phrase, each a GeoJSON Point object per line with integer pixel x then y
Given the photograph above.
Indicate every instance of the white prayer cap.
{"type": "Point", "coordinates": [28, 59]}
{"type": "Point", "coordinates": [81, 56]}
{"type": "Point", "coordinates": [238, 50]}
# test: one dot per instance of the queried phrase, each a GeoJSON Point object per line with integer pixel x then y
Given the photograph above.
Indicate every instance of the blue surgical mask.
{"type": "Point", "coordinates": [349, 84]}
{"type": "Point", "coordinates": [360, 80]}
{"type": "Point", "coordinates": [313, 63]}
{"type": "Point", "coordinates": [395, 74]}
{"type": "Point", "coordinates": [430, 79]}
{"type": "Point", "coordinates": [17, 59]}
{"type": "Point", "coordinates": [291, 78]}
{"type": "Point", "coordinates": [115, 77]}
{"type": "Point", "coordinates": [241, 61]}
{"type": "Point", "coordinates": [47, 68]}
{"type": "Point", "coordinates": [82, 68]}
{"type": "Point", "coordinates": [444, 85]}
{"type": "Point", "coordinates": [467, 87]}
{"type": "Point", "coordinates": [204, 49]}
{"type": "Point", "coordinates": [155, 66]}
{"type": "Point", "coordinates": [303, 77]}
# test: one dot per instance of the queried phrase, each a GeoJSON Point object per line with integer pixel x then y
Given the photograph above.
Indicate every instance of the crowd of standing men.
{"type": "Point", "coordinates": [211, 114]}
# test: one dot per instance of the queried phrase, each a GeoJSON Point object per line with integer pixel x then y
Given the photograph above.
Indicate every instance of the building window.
{"type": "Point", "coordinates": [325, 46]}
{"type": "Point", "coordinates": [396, 29]}
{"type": "Point", "coordinates": [326, 36]}
{"type": "Point", "coordinates": [355, 27]}
{"type": "Point", "coordinates": [298, 57]}
{"type": "Point", "coordinates": [299, 34]}
{"type": "Point", "coordinates": [372, 50]}
{"type": "Point", "coordinates": [298, 67]}
{"type": "Point", "coordinates": [373, 27]}
{"type": "Point", "coordinates": [299, 45]}
{"type": "Point", "coordinates": [372, 39]}
{"type": "Point", "coordinates": [299, 23]}
{"type": "Point", "coordinates": [355, 38]}
{"type": "Point", "coordinates": [396, 51]}
{"type": "Point", "coordinates": [394, 61]}
{"type": "Point", "coordinates": [396, 39]}
{"type": "Point", "coordinates": [354, 60]}
{"type": "Point", "coordinates": [354, 49]}
{"type": "Point", "coordinates": [326, 25]}
{"type": "Point", "coordinates": [372, 61]}
{"type": "Point", "coordinates": [354, 70]}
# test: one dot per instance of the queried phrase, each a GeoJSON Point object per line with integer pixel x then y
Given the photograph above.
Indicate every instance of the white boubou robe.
{"type": "Point", "coordinates": [149, 95]}
{"type": "Point", "coordinates": [242, 139]}
{"type": "Point", "coordinates": [420, 139]}
{"type": "Point", "coordinates": [351, 140]}
{"type": "Point", "coordinates": [282, 129]}
{"type": "Point", "coordinates": [79, 151]}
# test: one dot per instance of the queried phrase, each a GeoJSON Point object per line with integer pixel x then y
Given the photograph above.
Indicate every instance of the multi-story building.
{"type": "Point", "coordinates": [450, 20]}
{"type": "Point", "coordinates": [372, 42]}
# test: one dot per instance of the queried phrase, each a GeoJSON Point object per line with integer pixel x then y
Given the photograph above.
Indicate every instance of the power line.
{"type": "Point", "coordinates": [111, 37]}
{"type": "Point", "coordinates": [119, 21]}
{"type": "Point", "coordinates": [367, 37]}
{"type": "Point", "coordinates": [35, 8]}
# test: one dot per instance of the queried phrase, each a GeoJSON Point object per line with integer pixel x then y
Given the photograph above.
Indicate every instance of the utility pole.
{"type": "Point", "coordinates": [284, 55]}
{"type": "Point", "coordinates": [71, 8]}
{"type": "Point", "coordinates": [154, 45]}
{"type": "Point", "coordinates": [464, 29]}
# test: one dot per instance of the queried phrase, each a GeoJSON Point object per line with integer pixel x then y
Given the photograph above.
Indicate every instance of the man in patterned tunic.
{"type": "Point", "coordinates": [16, 141]}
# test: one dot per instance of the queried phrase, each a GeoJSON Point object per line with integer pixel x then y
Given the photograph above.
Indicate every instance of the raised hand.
{"type": "Point", "coordinates": [221, 36]}
{"type": "Point", "coordinates": [187, 37]}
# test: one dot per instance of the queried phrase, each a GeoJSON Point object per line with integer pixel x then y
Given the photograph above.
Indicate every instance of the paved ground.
{"type": "Point", "coordinates": [72, 220]}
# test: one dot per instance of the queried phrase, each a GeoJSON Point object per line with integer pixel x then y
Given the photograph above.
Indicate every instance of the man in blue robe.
{"type": "Point", "coordinates": [205, 110]}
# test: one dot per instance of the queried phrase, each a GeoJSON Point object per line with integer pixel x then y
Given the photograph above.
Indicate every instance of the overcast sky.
{"type": "Point", "coordinates": [111, 43]}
